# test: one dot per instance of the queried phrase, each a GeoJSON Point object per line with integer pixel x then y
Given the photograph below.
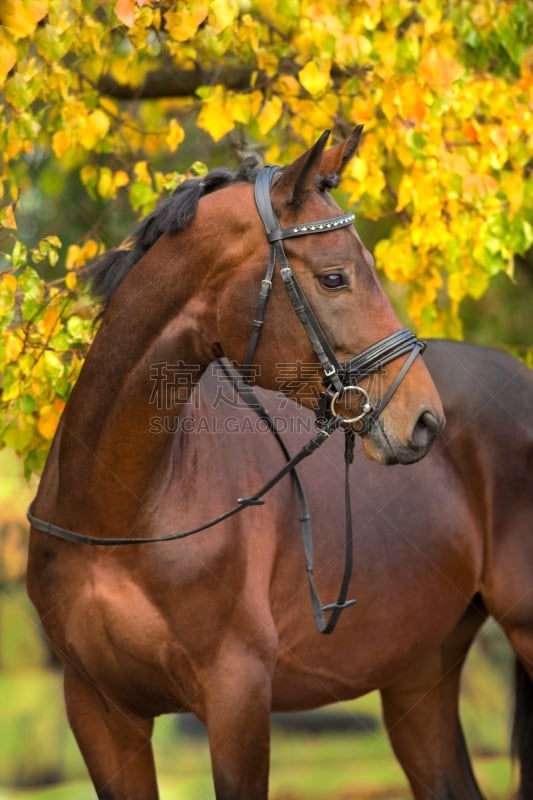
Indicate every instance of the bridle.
{"type": "Point", "coordinates": [339, 378]}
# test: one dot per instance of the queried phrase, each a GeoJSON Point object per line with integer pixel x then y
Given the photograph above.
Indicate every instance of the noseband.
{"type": "Point", "coordinates": [339, 378]}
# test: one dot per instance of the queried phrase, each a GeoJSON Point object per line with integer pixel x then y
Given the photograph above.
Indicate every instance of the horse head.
{"type": "Point", "coordinates": [329, 282]}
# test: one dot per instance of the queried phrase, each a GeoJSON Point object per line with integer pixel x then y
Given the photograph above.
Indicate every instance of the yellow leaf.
{"type": "Point", "coordinates": [95, 128]}
{"type": "Point", "coordinates": [99, 121]}
{"type": "Point", "coordinates": [11, 222]}
{"type": "Point", "coordinates": [240, 107]}
{"type": "Point", "coordinates": [175, 135]}
{"type": "Point", "coordinates": [317, 116]}
{"type": "Point", "coordinates": [75, 257]}
{"type": "Point", "coordinates": [269, 114]}
{"type": "Point", "coordinates": [11, 392]}
{"type": "Point", "coordinates": [183, 24]}
{"type": "Point", "coordinates": [440, 70]}
{"type": "Point", "coordinates": [53, 367]}
{"type": "Point", "coordinates": [109, 105]}
{"type": "Point", "coordinates": [410, 100]}
{"type": "Point", "coordinates": [268, 62]}
{"type": "Point", "coordinates": [8, 55]}
{"type": "Point", "coordinates": [53, 240]}
{"type": "Point", "coordinates": [125, 11]}
{"type": "Point", "coordinates": [214, 116]}
{"type": "Point", "coordinates": [90, 248]}
{"type": "Point", "coordinates": [456, 288]}
{"type": "Point", "coordinates": [222, 13]}
{"type": "Point", "coordinates": [405, 192]}
{"type": "Point", "coordinates": [14, 346]}
{"type": "Point", "coordinates": [19, 23]}
{"type": "Point", "coordinates": [48, 419]}
{"type": "Point", "coordinates": [39, 8]}
{"type": "Point", "coordinates": [499, 136]}
{"type": "Point", "coordinates": [21, 18]}
{"type": "Point", "coordinates": [60, 143]}
{"type": "Point", "coordinates": [48, 324]}
{"type": "Point", "coordinates": [358, 169]}
{"type": "Point", "coordinates": [121, 178]}
{"type": "Point", "coordinates": [512, 184]}
{"type": "Point", "coordinates": [71, 280]}
{"type": "Point", "coordinates": [140, 170]}
{"type": "Point", "coordinates": [106, 186]}
{"type": "Point", "coordinates": [9, 281]}
{"type": "Point", "coordinates": [314, 78]}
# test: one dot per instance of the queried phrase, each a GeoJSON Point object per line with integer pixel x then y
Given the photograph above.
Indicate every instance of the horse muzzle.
{"type": "Point", "coordinates": [381, 444]}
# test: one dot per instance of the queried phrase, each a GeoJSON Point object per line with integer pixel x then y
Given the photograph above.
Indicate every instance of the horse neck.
{"type": "Point", "coordinates": [150, 351]}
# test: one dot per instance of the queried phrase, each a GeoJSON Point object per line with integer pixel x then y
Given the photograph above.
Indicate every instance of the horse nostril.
{"type": "Point", "coordinates": [426, 430]}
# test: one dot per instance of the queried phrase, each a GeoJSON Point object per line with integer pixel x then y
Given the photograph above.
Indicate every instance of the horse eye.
{"type": "Point", "coordinates": [334, 280]}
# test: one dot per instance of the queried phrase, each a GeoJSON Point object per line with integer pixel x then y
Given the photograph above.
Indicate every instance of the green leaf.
{"type": "Point", "coordinates": [53, 366]}
{"type": "Point", "coordinates": [32, 287]}
{"type": "Point", "coordinates": [79, 329]}
{"type": "Point", "coordinates": [27, 404]}
{"type": "Point", "coordinates": [19, 254]}
{"type": "Point", "coordinates": [142, 197]}
{"type": "Point", "coordinates": [60, 341]}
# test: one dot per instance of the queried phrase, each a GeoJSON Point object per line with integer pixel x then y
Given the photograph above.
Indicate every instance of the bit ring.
{"type": "Point", "coordinates": [367, 405]}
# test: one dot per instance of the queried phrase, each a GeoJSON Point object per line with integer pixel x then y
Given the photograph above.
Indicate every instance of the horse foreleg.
{"type": "Point", "coordinates": [115, 744]}
{"type": "Point", "coordinates": [237, 710]}
{"type": "Point", "coordinates": [421, 715]}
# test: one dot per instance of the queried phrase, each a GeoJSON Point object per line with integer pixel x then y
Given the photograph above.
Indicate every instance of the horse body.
{"type": "Point", "coordinates": [430, 539]}
{"type": "Point", "coordinates": [220, 623]}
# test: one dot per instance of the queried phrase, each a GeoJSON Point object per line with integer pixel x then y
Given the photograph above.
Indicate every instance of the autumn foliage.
{"type": "Point", "coordinates": [99, 90]}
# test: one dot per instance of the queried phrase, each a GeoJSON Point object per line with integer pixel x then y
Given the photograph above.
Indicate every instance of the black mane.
{"type": "Point", "coordinates": [174, 214]}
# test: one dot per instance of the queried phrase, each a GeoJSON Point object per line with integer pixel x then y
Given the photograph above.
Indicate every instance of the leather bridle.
{"type": "Point", "coordinates": [339, 378]}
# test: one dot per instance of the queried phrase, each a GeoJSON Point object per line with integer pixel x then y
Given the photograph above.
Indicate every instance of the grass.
{"type": "Point", "coordinates": [304, 766]}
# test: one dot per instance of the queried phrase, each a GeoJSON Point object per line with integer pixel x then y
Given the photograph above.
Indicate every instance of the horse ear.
{"type": "Point", "coordinates": [299, 177]}
{"type": "Point", "coordinates": [335, 159]}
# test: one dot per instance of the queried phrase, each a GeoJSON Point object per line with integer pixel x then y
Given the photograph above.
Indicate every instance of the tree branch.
{"type": "Point", "coordinates": [170, 81]}
{"type": "Point", "coordinates": [176, 82]}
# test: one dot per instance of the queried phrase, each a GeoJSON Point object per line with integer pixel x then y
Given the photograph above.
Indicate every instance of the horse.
{"type": "Point", "coordinates": [168, 579]}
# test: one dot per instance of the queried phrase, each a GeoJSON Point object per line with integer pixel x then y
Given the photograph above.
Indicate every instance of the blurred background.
{"type": "Point", "coordinates": [106, 107]}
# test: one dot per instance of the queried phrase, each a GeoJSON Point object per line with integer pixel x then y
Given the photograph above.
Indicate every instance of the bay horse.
{"type": "Point", "coordinates": [155, 439]}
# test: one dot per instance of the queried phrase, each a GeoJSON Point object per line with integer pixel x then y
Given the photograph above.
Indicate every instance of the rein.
{"type": "Point", "coordinates": [336, 608]}
{"type": "Point", "coordinates": [339, 378]}
{"type": "Point", "coordinates": [323, 625]}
